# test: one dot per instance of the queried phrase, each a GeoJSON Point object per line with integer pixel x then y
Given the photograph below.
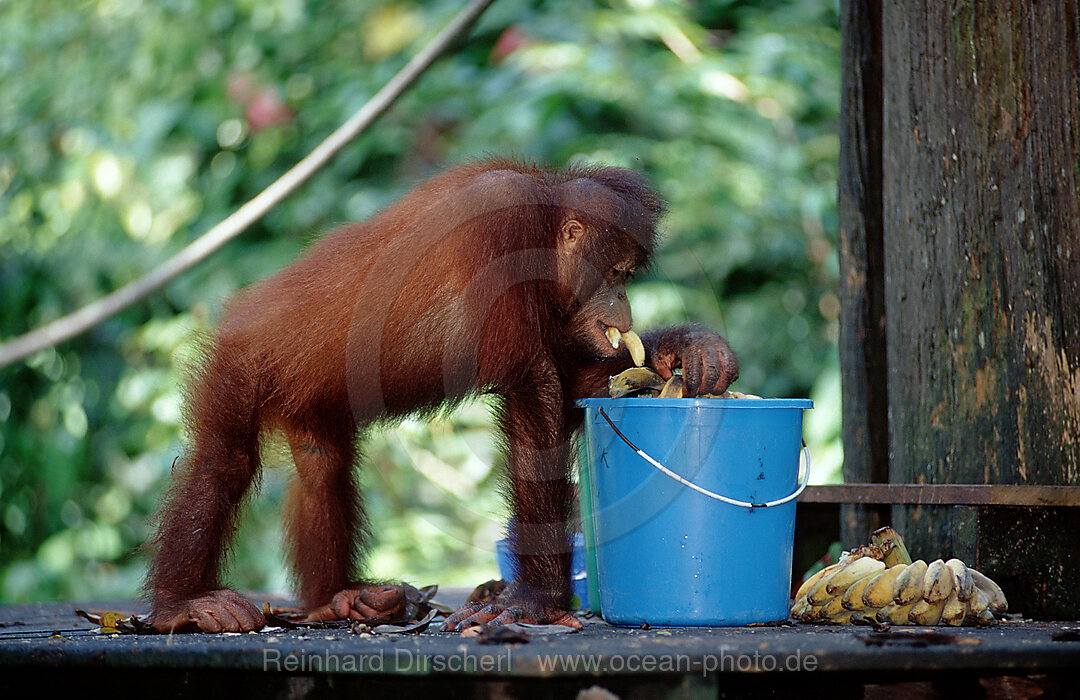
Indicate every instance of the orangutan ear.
{"type": "Point", "coordinates": [570, 235]}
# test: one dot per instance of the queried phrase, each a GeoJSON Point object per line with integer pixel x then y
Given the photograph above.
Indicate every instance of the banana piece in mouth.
{"type": "Point", "coordinates": [633, 343]}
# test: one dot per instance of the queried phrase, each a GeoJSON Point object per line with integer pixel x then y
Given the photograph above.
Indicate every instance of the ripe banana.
{"type": "Point", "coordinates": [819, 594]}
{"type": "Point", "coordinates": [846, 617]}
{"type": "Point", "coordinates": [633, 344]}
{"type": "Point", "coordinates": [636, 381]}
{"type": "Point", "coordinates": [673, 389]}
{"type": "Point", "coordinates": [851, 572]}
{"type": "Point", "coordinates": [834, 606]}
{"type": "Point", "coordinates": [852, 598]}
{"type": "Point", "coordinates": [645, 383]}
{"type": "Point", "coordinates": [963, 582]}
{"type": "Point", "coordinates": [809, 583]}
{"type": "Point", "coordinates": [909, 583]}
{"type": "Point", "coordinates": [632, 341]}
{"type": "Point", "coordinates": [879, 592]}
{"type": "Point", "coordinates": [998, 604]}
{"type": "Point", "coordinates": [895, 613]}
{"type": "Point", "coordinates": [937, 582]}
{"type": "Point", "coordinates": [867, 616]}
{"type": "Point", "coordinates": [879, 583]}
{"type": "Point", "coordinates": [732, 395]}
{"type": "Point", "coordinates": [954, 611]}
{"type": "Point", "coordinates": [801, 609]}
{"type": "Point", "coordinates": [923, 612]}
{"type": "Point", "coordinates": [979, 609]}
{"type": "Point", "coordinates": [980, 603]}
{"type": "Point", "coordinates": [613, 335]}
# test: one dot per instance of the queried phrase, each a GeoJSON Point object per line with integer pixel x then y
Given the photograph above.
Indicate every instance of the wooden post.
{"type": "Point", "coordinates": [980, 211]}
{"type": "Point", "coordinates": [862, 289]}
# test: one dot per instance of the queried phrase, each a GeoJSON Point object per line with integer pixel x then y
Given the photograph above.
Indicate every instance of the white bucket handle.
{"type": "Point", "coordinates": [742, 504]}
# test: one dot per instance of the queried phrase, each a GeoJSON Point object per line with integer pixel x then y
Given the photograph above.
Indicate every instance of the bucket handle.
{"type": "Point", "coordinates": [743, 504]}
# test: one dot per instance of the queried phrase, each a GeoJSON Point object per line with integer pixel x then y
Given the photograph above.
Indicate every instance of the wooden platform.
{"type": "Point", "coordinates": [47, 646]}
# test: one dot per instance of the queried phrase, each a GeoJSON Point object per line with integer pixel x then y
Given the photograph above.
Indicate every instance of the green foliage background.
{"type": "Point", "coordinates": [128, 127]}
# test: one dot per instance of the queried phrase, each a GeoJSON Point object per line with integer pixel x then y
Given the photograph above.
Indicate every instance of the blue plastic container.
{"type": "Point", "coordinates": [670, 555]}
{"type": "Point", "coordinates": [587, 535]}
{"type": "Point", "coordinates": [579, 583]}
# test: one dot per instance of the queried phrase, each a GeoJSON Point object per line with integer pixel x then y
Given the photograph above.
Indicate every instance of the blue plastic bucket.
{"type": "Point", "coordinates": [588, 536]}
{"type": "Point", "coordinates": [672, 548]}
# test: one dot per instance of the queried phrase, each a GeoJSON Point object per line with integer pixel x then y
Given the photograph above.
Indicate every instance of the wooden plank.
{"type": "Point", "coordinates": [944, 495]}
{"type": "Point", "coordinates": [598, 654]}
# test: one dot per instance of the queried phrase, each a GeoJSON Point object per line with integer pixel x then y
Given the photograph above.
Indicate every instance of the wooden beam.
{"type": "Point", "coordinates": [945, 494]}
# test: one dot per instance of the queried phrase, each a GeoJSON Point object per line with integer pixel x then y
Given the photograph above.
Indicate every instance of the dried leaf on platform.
{"type": "Point", "coordinates": [914, 638]}
{"type": "Point", "coordinates": [112, 622]}
{"type": "Point", "coordinates": [487, 591]}
{"type": "Point", "coordinates": [413, 627]}
{"type": "Point", "coordinates": [504, 634]}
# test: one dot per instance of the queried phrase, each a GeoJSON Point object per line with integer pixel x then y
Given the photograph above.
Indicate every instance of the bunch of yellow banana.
{"type": "Point", "coordinates": [643, 382]}
{"type": "Point", "coordinates": [879, 582]}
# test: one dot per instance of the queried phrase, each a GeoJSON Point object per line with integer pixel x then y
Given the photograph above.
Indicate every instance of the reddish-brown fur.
{"type": "Point", "coordinates": [493, 277]}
